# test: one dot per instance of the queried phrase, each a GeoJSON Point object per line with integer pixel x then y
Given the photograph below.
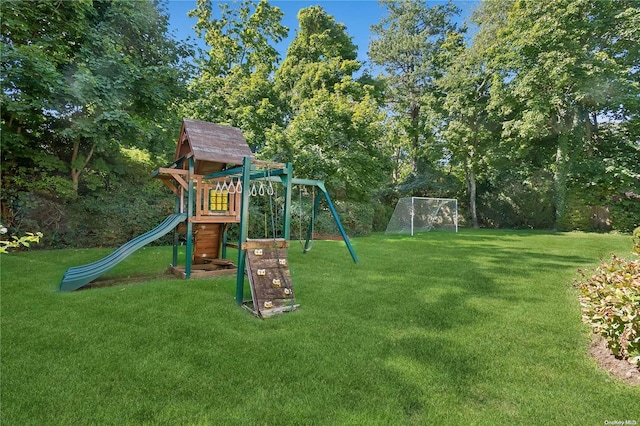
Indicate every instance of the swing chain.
{"type": "Point", "coordinates": [287, 284]}
{"type": "Point", "coordinates": [306, 247]}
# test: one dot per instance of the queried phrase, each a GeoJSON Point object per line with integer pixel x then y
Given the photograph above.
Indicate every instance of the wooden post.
{"type": "Point", "coordinates": [225, 239]}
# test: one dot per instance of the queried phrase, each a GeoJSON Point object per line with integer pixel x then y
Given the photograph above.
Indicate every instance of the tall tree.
{"type": "Point", "coordinates": [320, 56]}
{"type": "Point", "coordinates": [466, 122]}
{"type": "Point", "coordinates": [407, 44]}
{"type": "Point", "coordinates": [332, 122]}
{"type": "Point", "coordinates": [559, 65]}
{"type": "Point", "coordinates": [82, 79]}
{"type": "Point", "coordinates": [235, 83]}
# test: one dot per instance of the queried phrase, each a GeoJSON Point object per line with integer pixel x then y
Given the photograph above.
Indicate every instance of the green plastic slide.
{"type": "Point", "coordinates": [79, 276]}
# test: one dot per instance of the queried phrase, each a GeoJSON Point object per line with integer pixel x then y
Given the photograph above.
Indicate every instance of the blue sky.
{"type": "Point", "coordinates": [356, 15]}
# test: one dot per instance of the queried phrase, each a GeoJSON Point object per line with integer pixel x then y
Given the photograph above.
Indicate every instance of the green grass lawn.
{"type": "Point", "coordinates": [480, 327]}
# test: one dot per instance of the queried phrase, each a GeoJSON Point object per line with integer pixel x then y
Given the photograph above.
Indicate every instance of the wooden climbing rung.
{"type": "Point", "coordinates": [266, 243]}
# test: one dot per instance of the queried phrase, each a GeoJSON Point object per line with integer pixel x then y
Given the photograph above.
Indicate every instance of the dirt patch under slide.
{"type": "Point", "coordinates": [618, 368]}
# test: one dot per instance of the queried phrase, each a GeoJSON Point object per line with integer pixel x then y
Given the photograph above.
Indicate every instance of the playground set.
{"type": "Point", "coordinates": [213, 177]}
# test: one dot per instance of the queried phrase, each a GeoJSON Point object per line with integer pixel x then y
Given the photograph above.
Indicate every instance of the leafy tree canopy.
{"type": "Point", "coordinates": [331, 123]}
{"type": "Point", "coordinates": [234, 81]}
{"type": "Point", "coordinates": [81, 79]}
{"type": "Point", "coordinates": [408, 45]}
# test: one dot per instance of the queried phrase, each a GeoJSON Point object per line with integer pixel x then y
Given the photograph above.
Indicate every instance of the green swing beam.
{"type": "Point", "coordinates": [283, 175]}
{"type": "Point", "coordinates": [316, 204]}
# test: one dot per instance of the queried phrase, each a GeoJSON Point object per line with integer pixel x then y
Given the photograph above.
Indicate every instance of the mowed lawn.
{"type": "Point", "coordinates": [480, 327]}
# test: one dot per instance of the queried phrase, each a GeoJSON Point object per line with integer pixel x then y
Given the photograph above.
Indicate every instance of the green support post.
{"type": "Point", "coordinates": [337, 219]}
{"type": "Point", "coordinates": [288, 187]}
{"type": "Point", "coordinates": [190, 206]}
{"type": "Point", "coordinates": [334, 213]}
{"type": "Point", "coordinates": [243, 231]}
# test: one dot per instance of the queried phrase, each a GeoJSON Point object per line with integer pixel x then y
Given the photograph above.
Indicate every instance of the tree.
{"type": "Point", "coordinates": [407, 43]}
{"type": "Point", "coordinates": [321, 56]}
{"type": "Point", "coordinates": [331, 126]}
{"type": "Point", "coordinates": [81, 79]}
{"type": "Point", "coordinates": [235, 84]}
{"type": "Point", "coordinates": [39, 40]}
{"type": "Point", "coordinates": [559, 66]}
{"type": "Point", "coordinates": [466, 124]}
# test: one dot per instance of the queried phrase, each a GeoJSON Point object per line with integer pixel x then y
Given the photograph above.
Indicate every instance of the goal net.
{"type": "Point", "coordinates": [421, 214]}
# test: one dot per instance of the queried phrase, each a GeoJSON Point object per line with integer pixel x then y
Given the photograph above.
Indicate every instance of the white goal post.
{"type": "Point", "coordinates": [420, 214]}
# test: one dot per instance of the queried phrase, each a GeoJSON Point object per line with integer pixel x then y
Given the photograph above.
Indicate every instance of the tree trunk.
{"type": "Point", "coordinates": [396, 167]}
{"type": "Point", "coordinates": [471, 176]}
{"type": "Point", "coordinates": [560, 178]}
{"type": "Point", "coordinates": [415, 135]}
{"type": "Point", "coordinates": [76, 171]}
{"type": "Point", "coordinates": [471, 184]}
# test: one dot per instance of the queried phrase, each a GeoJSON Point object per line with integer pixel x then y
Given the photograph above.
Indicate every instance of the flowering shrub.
{"type": "Point", "coordinates": [16, 242]}
{"type": "Point", "coordinates": [610, 301]}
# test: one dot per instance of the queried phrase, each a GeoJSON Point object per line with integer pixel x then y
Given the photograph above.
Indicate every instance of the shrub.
{"type": "Point", "coordinates": [636, 240]}
{"type": "Point", "coordinates": [17, 242]}
{"type": "Point", "coordinates": [381, 215]}
{"type": "Point", "coordinates": [625, 211]}
{"type": "Point", "coordinates": [517, 205]}
{"type": "Point", "coordinates": [356, 217]}
{"type": "Point", "coordinates": [577, 214]}
{"type": "Point", "coordinates": [610, 304]}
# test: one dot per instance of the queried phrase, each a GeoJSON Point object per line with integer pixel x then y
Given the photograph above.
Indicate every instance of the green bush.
{"type": "Point", "coordinates": [517, 206]}
{"type": "Point", "coordinates": [577, 215]}
{"type": "Point", "coordinates": [636, 240]}
{"type": "Point", "coordinates": [625, 212]}
{"type": "Point", "coordinates": [356, 218]}
{"type": "Point", "coordinates": [381, 215]}
{"type": "Point", "coordinates": [610, 304]}
{"type": "Point", "coordinates": [17, 242]}
{"type": "Point", "coordinates": [111, 219]}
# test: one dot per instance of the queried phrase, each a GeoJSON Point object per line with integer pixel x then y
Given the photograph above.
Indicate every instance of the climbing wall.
{"type": "Point", "coordinates": [269, 277]}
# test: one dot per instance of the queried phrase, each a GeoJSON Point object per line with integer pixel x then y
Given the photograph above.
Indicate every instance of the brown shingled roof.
{"type": "Point", "coordinates": [213, 146]}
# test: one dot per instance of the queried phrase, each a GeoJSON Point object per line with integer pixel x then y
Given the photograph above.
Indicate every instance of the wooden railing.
{"type": "Point", "coordinates": [217, 201]}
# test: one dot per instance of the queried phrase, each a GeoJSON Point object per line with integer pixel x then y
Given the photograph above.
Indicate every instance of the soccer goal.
{"type": "Point", "coordinates": [421, 214]}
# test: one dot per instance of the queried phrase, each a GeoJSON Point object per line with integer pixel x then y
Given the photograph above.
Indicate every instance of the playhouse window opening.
{"type": "Point", "coordinates": [218, 200]}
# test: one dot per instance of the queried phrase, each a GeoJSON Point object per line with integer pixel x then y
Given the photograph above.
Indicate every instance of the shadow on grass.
{"type": "Point", "coordinates": [428, 330]}
{"type": "Point", "coordinates": [442, 301]}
